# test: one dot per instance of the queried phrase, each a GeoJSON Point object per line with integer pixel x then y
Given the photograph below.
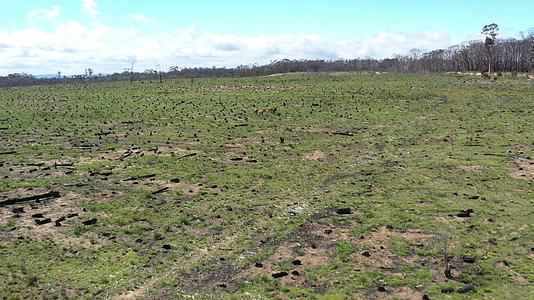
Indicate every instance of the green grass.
{"type": "Point", "coordinates": [421, 148]}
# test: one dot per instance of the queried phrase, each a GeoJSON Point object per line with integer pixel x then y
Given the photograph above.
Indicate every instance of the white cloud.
{"type": "Point", "coordinates": [43, 13]}
{"type": "Point", "coordinates": [140, 17]}
{"type": "Point", "coordinates": [89, 6]}
{"type": "Point", "coordinates": [71, 47]}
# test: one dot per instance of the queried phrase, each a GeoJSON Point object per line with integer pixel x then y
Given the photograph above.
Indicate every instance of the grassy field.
{"type": "Point", "coordinates": [297, 186]}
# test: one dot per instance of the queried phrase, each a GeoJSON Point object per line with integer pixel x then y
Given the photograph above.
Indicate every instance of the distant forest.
{"type": "Point", "coordinates": [492, 56]}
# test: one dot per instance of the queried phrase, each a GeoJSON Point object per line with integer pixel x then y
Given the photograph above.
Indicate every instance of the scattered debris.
{"type": "Point", "coordinates": [46, 196]}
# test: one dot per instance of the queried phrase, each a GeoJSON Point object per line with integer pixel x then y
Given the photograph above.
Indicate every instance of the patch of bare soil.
{"type": "Point", "coordinates": [390, 293]}
{"type": "Point", "coordinates": [51, 219]}
{"type": "Point", "coordinates": [378, 254]}
{"type": "Point", "coordinates": [25, 171]}
{"type": "Point", "coordinates": [314, 245]}
{"type": "Point", "coordinates": [315, 155]}
{"type": "Point", "coordinates": [121, 154]}
{"type": "Point", "coordinates": [180, 266]}
{"type": "Point", "coordinates": [522, 148]}
{"type": "Point", "coordinates": [523, 169]}
{"type": "Point", "coordinates": [168, 187]}
{"type": "Point", "coordinates": [471, 168]}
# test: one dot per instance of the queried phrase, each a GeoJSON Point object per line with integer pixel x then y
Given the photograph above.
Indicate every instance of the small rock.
{"type": "Point", "coordinates": [280, 274]}
{"type": "Point", "coordinates": [37, 216]}
{"type": "Point", "coordinates": [447, 290]}
{"type": "Point", "coordinates": [295, 273]}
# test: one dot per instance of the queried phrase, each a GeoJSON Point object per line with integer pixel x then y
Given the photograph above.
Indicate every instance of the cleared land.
{"type": "Point", "coordinates": [333, 186]}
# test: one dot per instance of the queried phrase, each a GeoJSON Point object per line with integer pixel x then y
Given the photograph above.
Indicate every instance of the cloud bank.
{"type": "Point", "coordinates": [71, 47]}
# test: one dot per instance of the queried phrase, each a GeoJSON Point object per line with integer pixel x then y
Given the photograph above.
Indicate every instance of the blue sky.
{"type": "Point", "coordinates": [44, 36]}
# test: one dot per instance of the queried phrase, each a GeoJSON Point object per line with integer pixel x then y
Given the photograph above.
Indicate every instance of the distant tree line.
{"type": "Point", "coordinates": [492, 55]}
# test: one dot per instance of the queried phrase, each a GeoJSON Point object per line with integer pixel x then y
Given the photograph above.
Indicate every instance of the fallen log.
{"type": "Point", "coordinates": [46, 196]}
{"type": "Point", "coordinates": [160, 191]}
{"type": "Point", "coordinates": [187, 155]}
{"type": "Point", "coordinates": [8, 152]}
{"type": "Point", "coordinates": [343, 133]}
{"type": "Point", "coordinates": [103, 174]}
{"type": "Point", "coordinates": [43, 221]}
{"type": "Point", "coordinates": [125, 155]}
{"type": "Point", "coordinates": [139, 177]}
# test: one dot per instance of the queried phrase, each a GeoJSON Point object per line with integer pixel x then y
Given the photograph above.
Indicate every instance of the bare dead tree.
{"type": "Point", "coordinates": [132, 71]}
{"type": "Point", "coordinates": [158, 72]}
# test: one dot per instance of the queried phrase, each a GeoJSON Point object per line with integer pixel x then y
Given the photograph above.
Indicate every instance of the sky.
{"type": "Point", "coordinates": [47, 36]}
